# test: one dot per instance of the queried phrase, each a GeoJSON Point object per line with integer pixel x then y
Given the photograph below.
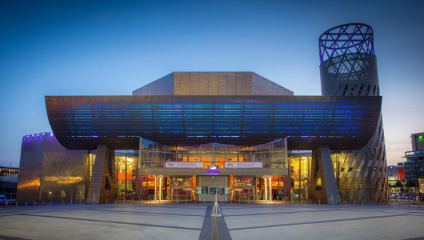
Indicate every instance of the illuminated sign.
{"type": "Point", "coordinates": [212, 167]}
{"type": "Point", "coordinates": [420, 138]}
{"type": "Point", "coordinates": [184, 165]}
{"type": "Point", "coordinates": [213, 172]}
{"type": "Point", "coordinates": [243, 165]}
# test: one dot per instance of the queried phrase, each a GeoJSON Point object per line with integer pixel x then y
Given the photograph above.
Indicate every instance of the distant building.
{"type": "Point", "coordinates": [9, 185]}
{"type": "Point", "coordinates": [414, 165]}
{"type": "Point", "coordinates": [7, 171]}
{"type": "Point", "coordinates": [417, 140]}
{"type": "Point", "coordinates": [395, 173]}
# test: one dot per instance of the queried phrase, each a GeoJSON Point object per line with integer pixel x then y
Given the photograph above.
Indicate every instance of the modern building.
{"type": "Point", "coordinates": [191, 135]}
{"type": "Point", "coordinates": [396, 173]}
{"type": "Point", "coordinates": [417, 140]}
{"type": "Point", "coordinates": [7, 171]}
{"type": "Point", "coordinates": [414, 165]}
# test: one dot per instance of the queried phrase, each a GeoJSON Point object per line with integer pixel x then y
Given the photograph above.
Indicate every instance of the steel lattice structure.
{"type": "Point", "coordinates": [349, 68]}
{"type": "Point", "coordinates": [345, 40]}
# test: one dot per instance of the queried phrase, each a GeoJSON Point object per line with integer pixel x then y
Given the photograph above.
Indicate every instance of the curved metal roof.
{"type": "Point", "coordinates": [83, 122]}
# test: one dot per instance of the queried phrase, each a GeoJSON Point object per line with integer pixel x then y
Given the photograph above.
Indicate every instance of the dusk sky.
{"type": "Point", "coordinates": [115, 47]}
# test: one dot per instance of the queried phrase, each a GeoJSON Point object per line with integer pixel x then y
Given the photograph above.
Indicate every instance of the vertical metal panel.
{"type": "Point", "coordinates": [30, 168]}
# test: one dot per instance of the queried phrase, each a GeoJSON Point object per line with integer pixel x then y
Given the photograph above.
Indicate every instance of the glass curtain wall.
{"type": "Point", "coordinates": [125, 166]}
{"type": "Point", "coordinates": [300, 172]}
{"type": "Point", "coordinates": [155, 155]}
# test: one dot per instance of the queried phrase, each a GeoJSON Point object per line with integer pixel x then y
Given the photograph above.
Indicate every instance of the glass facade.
{"type": "Point", "coordinates": [300, 172]}
{"type": "Point", "coordinates": [155, 155]}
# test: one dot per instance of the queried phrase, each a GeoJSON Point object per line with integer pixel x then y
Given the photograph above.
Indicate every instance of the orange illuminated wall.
{"type": "Point", "coordinates": [402, 173]}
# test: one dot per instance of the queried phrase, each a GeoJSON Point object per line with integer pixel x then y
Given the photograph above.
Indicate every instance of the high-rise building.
{"type": "Point", "coordinates": [417, 140]}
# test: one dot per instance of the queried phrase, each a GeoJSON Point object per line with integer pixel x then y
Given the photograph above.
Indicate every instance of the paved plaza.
{"type": "Point", "coordinates": [193, 221]}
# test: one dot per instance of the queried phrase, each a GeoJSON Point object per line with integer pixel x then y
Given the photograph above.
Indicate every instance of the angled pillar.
{"type": "Point", "coordinates": [103, 185]}
{"type": "Point", "coordinates": [322, 185]}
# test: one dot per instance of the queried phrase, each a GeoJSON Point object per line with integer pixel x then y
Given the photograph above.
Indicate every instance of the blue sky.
{"type": "Point", "coordinates": [114, 47]}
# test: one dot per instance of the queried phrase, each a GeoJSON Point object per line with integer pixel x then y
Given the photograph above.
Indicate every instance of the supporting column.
{"type": "Point", "coordinates": [266, 190]}
{"type": "Point", "coordinates": [103, 185]}
{"type": "Point", "coordinates": [322, 185]}
{"type": "Point", "coordinates": [137, 165]}
{"type": "Point", "coordinates": [156, 188]}
{"type": "Point", "coordinates": [270, 189]}
{"type": "Point", "coordinates": [300, 177]}
{"type": "Point", "coordinates": [160, 188]}
{"type": "Point", "coordinates": [126, 180]}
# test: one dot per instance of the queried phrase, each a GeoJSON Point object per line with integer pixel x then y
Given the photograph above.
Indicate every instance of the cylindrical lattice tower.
{"type": "Point", "coordinates": [349, 68]}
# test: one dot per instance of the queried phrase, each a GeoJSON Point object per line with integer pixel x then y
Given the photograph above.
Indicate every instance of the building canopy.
{"type": "Point", "coordinates": [342, 123]}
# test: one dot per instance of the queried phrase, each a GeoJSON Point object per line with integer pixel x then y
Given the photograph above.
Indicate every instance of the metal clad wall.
{"type": "Point", "coordinates": [49, 171]}
{"type": "Point", "coordinates": [30, 168]}
{"type": "Point", "coordinates": [212, 83]}
{"type": "Point", "coordinates": [162, 86]}
{"type": "Point", "coordinates": [263, 86]}
{"type": "Point", "coordinates": [64, 172]}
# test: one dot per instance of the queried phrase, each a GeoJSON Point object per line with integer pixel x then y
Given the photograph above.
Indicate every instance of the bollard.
{"type": "Point", "coordinates": [106, 201]}
{"type": "Point", "coordinates": [362, 201]}
{"type": "Point", "coordinates": [34, 203]}
{"type": "Point", "coordinates": [239, 200]}
{"type": "Point", "coordinates": [408, 203]}
{"type": "Point", "coordinates": [319, 201]}
{"type": "Point", "coordinates": [353, 202]}
{"type": "Point", "coordinates": [292, 200]}
{"type": "Point", "coordinates": [43, 202]}
{"type": "Point", "coordinates": [132, 200]}
{"type": "Point", "coordinates": [310, 201]}
{"type": "Point", "coordinates": [51, 202]}
{"type": "Point", "coordinates": [6, 203]}
{"type": "Point", "coordinates": [345, 201]}
{"type": "Point", "coordinates": [141, 200]}
{"type": "Point", "coordinates": [283, 200]}
{"type": "Point", "coordinates": [222, 200]}
{"type": "Point", "coordinates": [247, 200]}
{"type": "Point", "coordinates": [177, 200]}
{"type": "Point", "coordinates": [186, 200]}
{"type": "Point", "coordinates": [150, 201]}
{"type": "Point", "coordinates": [203, 200]}
{"type": "Point", "coordinates": [16, 203]}
{"type": "Point", "coordinates": [25, 203]}
{"type": "Point", "coordinates": [71, 201]}
{"type": "Point", "coordinates": [300, 201]}
{"type": "Point", "coordinates": [62, 201]}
